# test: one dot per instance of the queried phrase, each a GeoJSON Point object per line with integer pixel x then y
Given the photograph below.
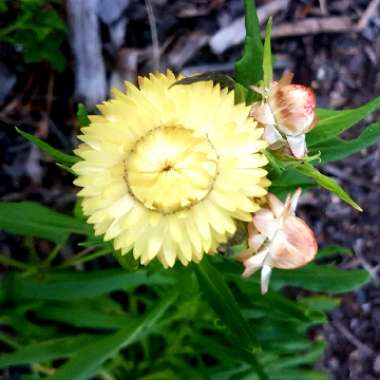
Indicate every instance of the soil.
{"type": "Point", "coordinates": [343, 69]}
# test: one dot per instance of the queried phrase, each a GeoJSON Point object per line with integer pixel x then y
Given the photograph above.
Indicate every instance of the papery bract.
{"type": "Point", "coordinates": [287, 112]}
{"type": "Point", "coordinates": [278, 239]}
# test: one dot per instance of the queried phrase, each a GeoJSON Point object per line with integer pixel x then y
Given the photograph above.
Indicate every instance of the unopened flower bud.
{"type": "Point", "coordinates": [293, 107]}
{"type": "Point", "coordinates": [287, 112]}
{"type": "Point", "coordinates": [278, 239]}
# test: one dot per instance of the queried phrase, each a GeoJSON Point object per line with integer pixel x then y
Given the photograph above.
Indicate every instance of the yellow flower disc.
{"type": "Point", "coordinates": [166, 171]}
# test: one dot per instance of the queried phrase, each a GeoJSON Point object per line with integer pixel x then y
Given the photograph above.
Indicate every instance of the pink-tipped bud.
{"type": "Point", "coordinates": [293, 107]}
{"type": "Point", "coordinates": [278, 239]}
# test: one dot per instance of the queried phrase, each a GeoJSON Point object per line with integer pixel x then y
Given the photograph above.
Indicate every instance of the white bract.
{"type": "Point", "coordinates": [278, 239]}
{"type": "Point", "coordinates": [287, 112]}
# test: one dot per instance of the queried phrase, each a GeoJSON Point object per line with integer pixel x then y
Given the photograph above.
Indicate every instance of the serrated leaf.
{"type": "Point", "coordinates": [249, 69]}
{"type": "Point", "coordinates": [63, 158]}
{"type": "Point", "coordinates": [89, 359]}
{"type": "Point", "coordinates": [337, 148]}
{"type": "Point", "coordinates": [267, 56]}
{"type": "Point", "coordinates": [327, 183]}
{"type": "Point", "coordinates": [33, 219]}
{"type": "Point", "coordinates": [333, 123]}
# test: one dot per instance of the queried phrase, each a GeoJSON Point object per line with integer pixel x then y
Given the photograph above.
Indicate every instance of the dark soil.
{"type": "Point", "coordinates": [344, 70]}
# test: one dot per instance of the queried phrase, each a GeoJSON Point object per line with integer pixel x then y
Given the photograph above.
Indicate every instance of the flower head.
{"type": "Point", "coordinates": [288, 113]}
{"type": "Point", "coordinates": [167, 170]}
{"type": "Point", "coordinates": [278, 239]}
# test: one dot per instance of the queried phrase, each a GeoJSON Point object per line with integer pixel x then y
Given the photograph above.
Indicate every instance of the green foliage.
{"type": "Point", "coordinates": [223, 302]}
{"type": "Point", "coordinates": [32, 219]}
{"type": "Point", "coordinates": [215, 320]}
{"type": "Point", "coordinates": [62, 158]}
{"type": "Point", "coordinates": [37, 28]}
{"type": "Point", "coordinates": [337, 148]}
{"type": "Point", "coordinates": [323, 141]}
{"type": "Point", "coordinates": [267, 57]}
{"type": "Point", "coordinates": [333, 123]}
{"type": "Point", "coordinates": [215, 315]}
{"type": "Point", "coordinates": [88, 360]}
{"type": "Point", "coordinates": [249, 69]}
{"type": "Point", "coordinates": [327, 183]}
{"type": "Point", "coordinates": [82, 116]}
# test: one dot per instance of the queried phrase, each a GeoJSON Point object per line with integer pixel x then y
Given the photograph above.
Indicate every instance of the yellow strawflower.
{"type": "Point", "coordinates": [166, 170]}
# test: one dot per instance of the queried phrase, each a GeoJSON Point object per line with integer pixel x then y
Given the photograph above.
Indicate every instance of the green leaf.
{"type": "Point", "coordinates": [267, 58]}
{"type": "Point", "coordinates": [321, 278]}
{"type": "Point", "coordinates": [327, 183]}
{"type": "Point", "coordinates": [288, 182]}
{"type": "Point", "coordinates": [285, 310]}
{"type": "Point", "coordinates": [46, 350]}
{"type": "Point", "coordinates": [223, 80]}
{"type": "Point", "coordinates": [333, 123]}
{"type": "Point", "coordinates": [309, 357]}
{"type": "Point", "coordinates": [336, 148]}
{"type": "Point", "coordinates": [87, 361]}
{"type": "Point", "coordinates": [321, 303]}
{"type": "Point", "coordinates": [249, 69]}
{"type": "Point", "coordinates": [68, 286]}
{"type": "Point", "coordinates": [82, 315]}
{"type": "Point", "coordinates": [298, 374]}
{"type": "Point", "coordinates": [223, 302]}
{"type": "Point", "coordinates": [62, 158]}
{"type": "Point", "coordinates": [32, 219]}
{"type": "Point", "coordinates": [82, 116]}
{"type": "Point", "coordinates": [333, 250]}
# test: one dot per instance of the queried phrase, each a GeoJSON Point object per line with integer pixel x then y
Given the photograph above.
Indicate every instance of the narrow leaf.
{"type": "Point", "coordinates": [68, 286]}
{"type": "Point", "coordinates": [222, 301]}
{"type": "Point", "coordinates": [321, 302]}
{"type": "Point", "coordinates": [249, 70]}
{"type": "Point", "coordinates": [327, 183]}
{"type": "Point", "coordinates": [336, 148]}
{"type": "Point", "coordinates": [81, 315]}
{"type": "Point", "coordinates": [82, 116]}
{"type": "Point", "coordinates": [223, 80]}
{"type": "Point", "coordinates": [43, 351]}
{"type": "Point", "coordinates": [333, 123]}
{"type": "Point", "coordinates": [32, 219]}
{"type": "Point", "coordinates": [62, 158]}
{"type": "Point", "coordinates": [267, 59]}
{"type": "Point", "coordinates": [87, 361]}
{"type": "Point", "coordinates": [321, 278]}
{"type": "Point", "coordinates": [333, 250]}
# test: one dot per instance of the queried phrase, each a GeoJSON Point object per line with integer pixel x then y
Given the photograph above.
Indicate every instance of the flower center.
{"type": "Point", "coordinates": [171, 168]}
